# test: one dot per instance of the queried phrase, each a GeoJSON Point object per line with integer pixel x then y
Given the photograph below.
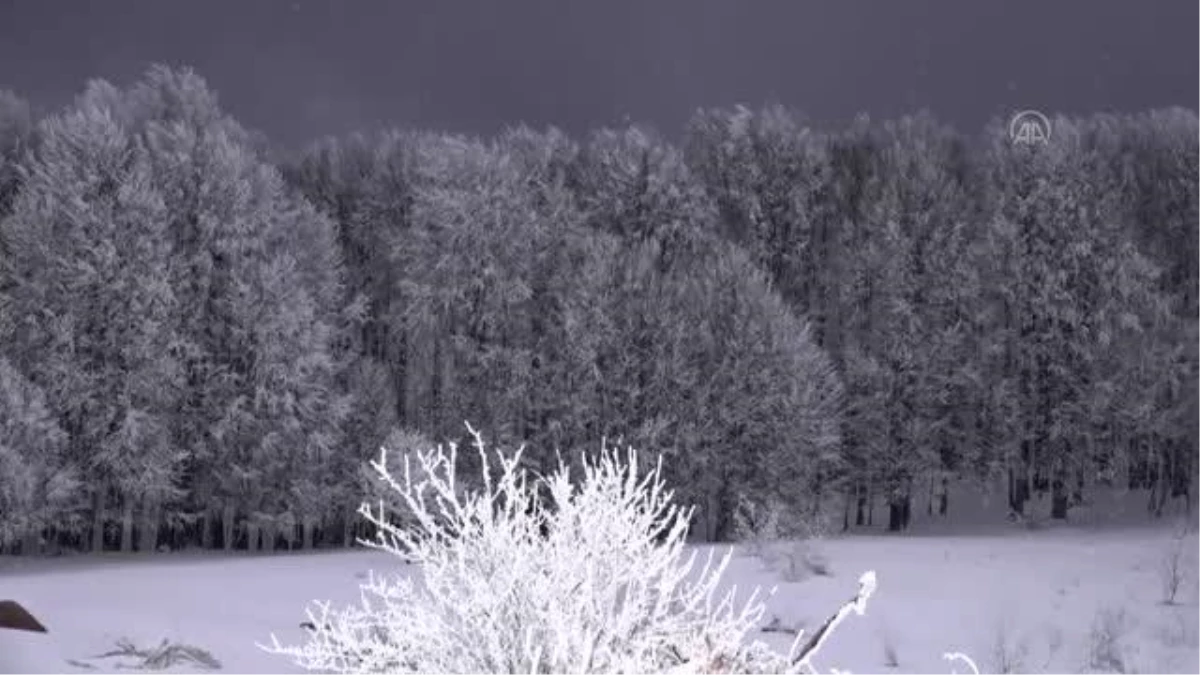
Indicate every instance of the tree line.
{"type": "Point", "coordinates": [202, 344]}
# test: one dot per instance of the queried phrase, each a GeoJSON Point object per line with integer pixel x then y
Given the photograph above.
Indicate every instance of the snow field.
{"type": "Point", "coordinates": [1059, 600]}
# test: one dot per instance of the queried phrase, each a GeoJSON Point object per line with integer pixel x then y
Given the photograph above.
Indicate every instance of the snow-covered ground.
{"type": "Point", "coordinates": [1046, 600]}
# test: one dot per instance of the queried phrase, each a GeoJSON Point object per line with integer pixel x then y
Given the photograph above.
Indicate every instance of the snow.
{"type": "Point", "coordinates": [939, 591]}
{"type": "Point", "coordinates": [222, 603]}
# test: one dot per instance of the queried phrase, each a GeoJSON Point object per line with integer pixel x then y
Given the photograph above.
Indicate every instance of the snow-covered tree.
{"type": "Point", "coordinates": [92, 307]}
{"type": "Point", "coordinates": [912, 283]}
{"type": "Point", "coordinates": [1080, 309]}
{"type": "Point", "coordinates": [770, 176]}
{"type": "Point", "coordinates": [39, 489]}
{"type": "Point", "coordinates": [698, 354]}
{"type": "Point", "coordinates": [16, 136]}
{"type": "Point", "coordinates": [360, 184]}
{"type": "Point", "coordinates": [1146, 166]}
{"type": "Point", "coordinates": [181, 311]}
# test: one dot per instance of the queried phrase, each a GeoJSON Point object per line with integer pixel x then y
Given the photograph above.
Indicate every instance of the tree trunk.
{"type": "Point", "coordinates": [31, 542]}
{"type": "Point", "coordinates": [1018, 491]}
{"type": "Point", "coordinates": [893, 517]}
{"type": "Point", "coordinates": [1184, 474]}
{"type": "Point", "coordinates": [127, 525]}
{"type": "Point", "coordinates": [54, 541]}
{"type": "Point", "coordinates": [817, 490]}
{"type": "Point", "coordinates": [1164, 491]}
{"type": "Point", "coordinates": [898, 513]}
{"type": "Point", "coordinates": [227, 520]}
{"type": "Point", "coordinates": [348, 528]}
{"type": "Point", "coordinates": [846, 512]}
{"type": "Point", "coordinates": [400, 381]}
{"type": "Point", "coordinates": [710, 516]}
{"type": "Point", "coordinates": [870, 504]}
{"type": "Point", "coordinates": [1160, 486]}
{"type": "Point", "coordinates": [98, 520]}
{"type": "Point", "coordinates": [944, 497]}
{"type": "Point", "coordinates": [270, 534]}
{"type": "Point", "coordinates": [150, 525]}
{"type": "Point", "coordinates": [253, 536]}
{"type": "Point", "coordinates": [1058, 498]}
{"type": "Point", "coordinates": [208, 528]}
{"type": "Point", "coordinates": [859, 505]}
{"type": "Point", "coordinates": [306, 537]}
{"type": "Point", "coordinates": [1186, 485]}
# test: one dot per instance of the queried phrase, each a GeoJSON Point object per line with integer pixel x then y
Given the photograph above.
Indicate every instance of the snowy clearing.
{"type": "Point", "coordinates": [1038, 601]}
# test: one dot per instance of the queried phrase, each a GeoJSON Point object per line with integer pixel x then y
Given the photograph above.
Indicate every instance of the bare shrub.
{"type": "Point", "coordinates": [1106, 651]}
{"type": "Point", "coordinates": [756, 524]}
{"type": "Point", "coordinates": [1180, 629]}
{"type": "Point", "coordinates": [786, 543]}
{"type": "Point", "coordinates": [1009, 648]}
{"type": "Point", "coordinates": [1177, 567]}
{"type": "Point", "coordinates": [597, 583]}
{"type": "Point", "coordinates": [158, 659]}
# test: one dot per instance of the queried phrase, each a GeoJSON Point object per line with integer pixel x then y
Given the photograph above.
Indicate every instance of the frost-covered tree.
{"type": "Point", "coordinates": [1146, 167]}
{"type": "Point", "coordinates": [634, 185]}
{"type": "Point", "coordinates": [92, 308]}
{"type": "Point", "coordinates": [16, 137]}
{"type": "Point", "coordinates": [714, 367]}
{"type": "Point", "coordinates": [39, 489]}
{"type": "Point", "coordinates": [499, 276]}
{"type": "Point", "coordinates": [561, 318]}
{"type": "Point", "coordinates": [910, 285]}
{"type": "Point", "coordinates": [648, 215]}
{"type": "Point", "coordinates": [466, 278]}
{"type": "Point", "coordinates": [360, 184]}
{"type": "Point", "coordinates": [1080, 309]}
{"type": "Point", "coordinates": [771, 178]}
{"type": "Point", "coordinates": [256, 273]}
{"type": "Point", "coordinates": [699, 356]}
{"type": "Point", "coordinates": [1151, 160]}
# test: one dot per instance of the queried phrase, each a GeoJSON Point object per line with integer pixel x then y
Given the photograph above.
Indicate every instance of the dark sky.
{"type": "Point", "coordinates": [298, 69]}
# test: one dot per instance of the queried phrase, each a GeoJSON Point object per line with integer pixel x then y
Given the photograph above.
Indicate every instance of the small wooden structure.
{"type": "Point", "coordinates": [15, 617]}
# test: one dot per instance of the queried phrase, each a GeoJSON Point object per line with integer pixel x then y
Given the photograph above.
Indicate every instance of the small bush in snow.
{"type": "Point", "coordinates": [787, 544]}
{"type": "Point", "coordinates": [756, 524]}
{"type": "Point", "coordinates": [1180, 629]}
{"type": "Point", "coordinates": [796, 560]}
{"type": "Point", "coordinates": [1178, 565]}
{"type": "Point", "coordinates": [606, 589]}
{"type": "Point", "coordinates": [1106, 651]}
{"type": "Point", "coordinates": [1009, 649]}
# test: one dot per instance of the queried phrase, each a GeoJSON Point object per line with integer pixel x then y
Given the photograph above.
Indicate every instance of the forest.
{"type": "Point", "coordinates": [204, 339]}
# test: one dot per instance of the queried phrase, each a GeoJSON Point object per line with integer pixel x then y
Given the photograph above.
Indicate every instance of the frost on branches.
{"type": "Point", "coordinates": [594, 582]}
